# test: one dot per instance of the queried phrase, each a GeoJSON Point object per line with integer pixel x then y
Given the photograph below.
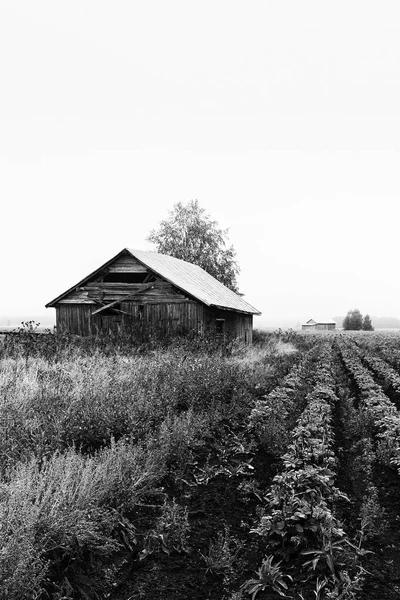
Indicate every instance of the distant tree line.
{"type": "Point", "coordinates": [379, 322]}
{"type": "Point", "coordinates": [354, 321]}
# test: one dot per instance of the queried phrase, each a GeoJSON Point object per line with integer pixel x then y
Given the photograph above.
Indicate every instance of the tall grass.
{"type": "Point", "coordinates": [65, 511]}
{"type": "Point", "coordinates": [86, 401]}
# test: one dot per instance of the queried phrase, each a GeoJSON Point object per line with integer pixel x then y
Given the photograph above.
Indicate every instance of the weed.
{"type": "Point", "coordinates": [222, 553]}
{"type": "Point", "coordinates": [330, 556]}
{"type": "Point", "coordinates": [170, 533]}
{"type": "Point", "coordinates": [269, 575]}
{"type": "Point", "coordinates": [348, 588]}
{"type": "Point", "coordinates": [372, 515]}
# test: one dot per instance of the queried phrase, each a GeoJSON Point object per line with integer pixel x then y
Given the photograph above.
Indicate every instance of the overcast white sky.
{"type": "Point", "coordinates": [281, 117]}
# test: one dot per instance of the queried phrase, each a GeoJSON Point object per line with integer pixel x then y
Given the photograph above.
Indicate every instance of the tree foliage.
{"type": "Point", "coordinates": [367, 323]}
{"type": "Point", "coordinates": [353, 321]}
{"type": "Point", "coordinates": [191, 235]}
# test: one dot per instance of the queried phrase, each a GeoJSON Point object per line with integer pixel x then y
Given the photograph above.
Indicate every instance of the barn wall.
{"type": "Point", "coordinates": [326, 326]}
{"type": "Point", "coordinates": [73, 318]}
{"type": "Point", "coordinates": [157, 317]}
{"type": "Point", "coordinates": [172, 318]}
{"type": "Point", "coordinates": [233, 323]}
{"type": "Point", "coordinates": [319, 327]}
{"type": "Point", "coordinates": [165, 318]}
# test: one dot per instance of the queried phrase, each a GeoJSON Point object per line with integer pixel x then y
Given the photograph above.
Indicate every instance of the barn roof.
{"type": "Point", "coordinates": [190, 278]}
{"type": "Point", "coordinates": [320, 322]}
{"type": "Point", "coordinates": [194, 280]}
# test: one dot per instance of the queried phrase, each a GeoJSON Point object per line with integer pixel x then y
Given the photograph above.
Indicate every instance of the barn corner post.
{"type": "Point", "coordinates": [146, 291]}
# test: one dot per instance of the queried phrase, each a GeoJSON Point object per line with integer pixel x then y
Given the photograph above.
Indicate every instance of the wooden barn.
{"type": "Point", "coordinates": [159, 293]}
{"type": "Point", "coordinates": [319, 325]}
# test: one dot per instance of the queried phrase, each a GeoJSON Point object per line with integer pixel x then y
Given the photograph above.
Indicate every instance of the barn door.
{"type": "Point", "coordinates": [110, 322]}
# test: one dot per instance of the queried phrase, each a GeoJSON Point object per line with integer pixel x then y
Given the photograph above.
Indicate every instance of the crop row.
{"type": "Point", "coordinates": [299, 521]}
{"type": "Point", "coordinates": [384, 371]}
{"type": "Point", "coordinates": [367, 349]}
{"type": "Point", "coordinates": [384, 345]}
{"type": "Point", "coordinates": [275, 414]}
{"type": "Point", "coordinates": [373, 400]}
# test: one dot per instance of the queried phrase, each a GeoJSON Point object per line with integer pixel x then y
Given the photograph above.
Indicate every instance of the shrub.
{"type": "Point", "coordinates": [59, 520]}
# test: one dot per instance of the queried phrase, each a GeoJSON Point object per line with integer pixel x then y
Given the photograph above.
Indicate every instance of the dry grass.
{"type": "Point", "coordinates": [68, 507]}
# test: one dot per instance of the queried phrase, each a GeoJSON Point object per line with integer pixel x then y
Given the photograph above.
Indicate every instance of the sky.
{"type": "Point", "coordinates": [282, 118]}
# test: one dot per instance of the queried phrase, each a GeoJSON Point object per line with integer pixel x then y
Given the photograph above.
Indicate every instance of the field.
{"type": "Point", "coordinates": [169, 471]}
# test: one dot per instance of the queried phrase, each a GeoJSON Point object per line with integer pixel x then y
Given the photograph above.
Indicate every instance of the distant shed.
{"type": "Point", "coordinates": [320, 325]}
{"type": "Point", "coordinates": [158, 292]}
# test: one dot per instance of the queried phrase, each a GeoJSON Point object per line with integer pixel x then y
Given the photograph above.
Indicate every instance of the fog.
{"type": "Point", "coordinates": [282, 119]}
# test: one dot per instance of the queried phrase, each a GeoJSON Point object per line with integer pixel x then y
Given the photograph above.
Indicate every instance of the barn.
{"type": "Point", "coordinates": [319, 325]}
{"type": "Point", "coordinates": [158, 293]}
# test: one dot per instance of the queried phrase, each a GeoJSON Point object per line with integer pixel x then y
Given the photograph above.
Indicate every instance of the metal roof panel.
{"type": "Point", "coordinates": [320, 322]}
{"type": "Point", "coordinates": [194, 280]}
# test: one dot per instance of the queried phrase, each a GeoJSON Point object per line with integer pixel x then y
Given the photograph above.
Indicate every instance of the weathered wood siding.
{"type": "Point", "coordinates": [126, 264]}
{"type": "Point", "coordinates": [74, 319]}
{"type": "Point", "coordinates": [233, 323]}
{"type": "Point", "coordinates": [319, 327]}
{"type": "Point", "coordinates": [165, 318]}
{"type": "Point", "coordinates": [108, 292]}
{"type": "Point", "coordinates": [169, 317]}
{"type": "Point", "coordinates": [175, 317]}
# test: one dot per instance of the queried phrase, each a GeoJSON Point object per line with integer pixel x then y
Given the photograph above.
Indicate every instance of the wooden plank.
{"type": "Point", "coordinates": [127, 264]}
{"type": "Point", "coordinates": [102, 285]}
{"type": "Point", "coordinates": [74, 301]}
{"type": "Point", "coordinates": [151, 277]}
{"type": "Point", "coordinates": [138, 299]}
{"type": "Point", "coordinates": [110, 284]}
{"type": "Point", "coordinates": [118, 310]}
{"type": "Point", "coordinates": [76, 296]}
{"type": "Point", "coordinates": [124, 299]}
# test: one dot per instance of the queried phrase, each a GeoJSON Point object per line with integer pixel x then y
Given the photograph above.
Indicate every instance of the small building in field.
{"type": "Point", "coordinates": [156, 294]}
{"type": "Point", "coordinates": [319, 325]}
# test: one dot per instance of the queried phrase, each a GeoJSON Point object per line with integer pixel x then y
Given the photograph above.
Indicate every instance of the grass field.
{"type": "Point", "coordinates": [183, 470]}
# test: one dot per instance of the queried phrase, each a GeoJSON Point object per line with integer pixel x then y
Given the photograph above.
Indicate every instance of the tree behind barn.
{"type": "Point", "coordinates": [353, 321]}
{"type": "Point", "coordinates": [191, 235]}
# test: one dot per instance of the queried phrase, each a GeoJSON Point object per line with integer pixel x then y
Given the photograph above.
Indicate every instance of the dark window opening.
{"type": "Point", "coordinates": [219, 326]}
{"type": "Point", "coordinates": [124, 277]}
{"type": "Point", "coordinates": [140, 311]}
{"type": "Point", "coordinates": [112, 311]}
{"type": "Point", "coordinates": [246, 337]}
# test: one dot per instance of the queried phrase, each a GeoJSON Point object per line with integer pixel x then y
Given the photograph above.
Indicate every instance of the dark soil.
{"type": "Point", "coordinates": [223, 504]}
